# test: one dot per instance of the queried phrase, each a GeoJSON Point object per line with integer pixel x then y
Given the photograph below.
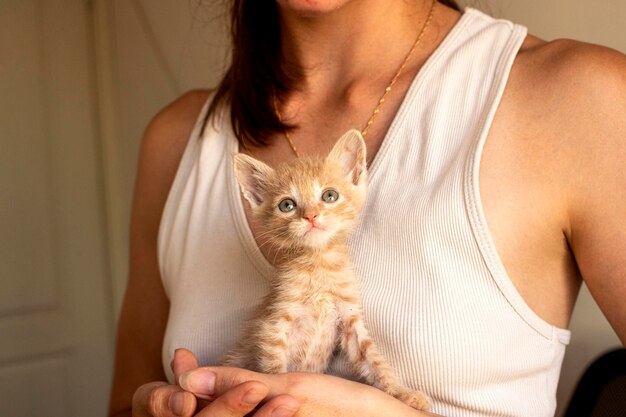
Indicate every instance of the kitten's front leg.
{"type": "Point", "coordinates": [273, 344]}
{"type": "Point", "coordinates": [263, 348]}
{"type": "Point", "coordinates": [370, 363]}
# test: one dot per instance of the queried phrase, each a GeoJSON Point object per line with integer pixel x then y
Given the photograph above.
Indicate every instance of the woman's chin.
{"type": "Point", "coordinates": [311, 8]}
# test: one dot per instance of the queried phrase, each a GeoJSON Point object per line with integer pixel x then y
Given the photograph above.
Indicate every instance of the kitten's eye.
{"type": "Point", "coordinates": [330, 196]}
{"type": "Point", "coordinates": [287, 205]}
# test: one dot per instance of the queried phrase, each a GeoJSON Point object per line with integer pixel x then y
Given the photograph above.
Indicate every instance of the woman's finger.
{"type": "Point", "coordinates": [280, 406]}
{"type": "Point", "coordinates": [219, 382]}
{"type": "Point", "coordinates": [184, 360]}
{"type": "Point", "coordinates": [211, 382]}
{"type": "Point", "coordinates": [236, 402]}
{"type": "Point", "coordinates": [159, 399]}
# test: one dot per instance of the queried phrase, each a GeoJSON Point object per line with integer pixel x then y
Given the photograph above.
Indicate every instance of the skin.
{"type": "Point", "coordinates": [552, 182]}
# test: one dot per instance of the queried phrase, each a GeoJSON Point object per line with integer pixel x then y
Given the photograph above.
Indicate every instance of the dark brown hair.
{"type": "Point", "coordinates": [257, 73]}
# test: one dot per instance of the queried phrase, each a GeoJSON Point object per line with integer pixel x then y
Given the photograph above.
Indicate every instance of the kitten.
{"type": "Point", "coordinates": [307, 208]}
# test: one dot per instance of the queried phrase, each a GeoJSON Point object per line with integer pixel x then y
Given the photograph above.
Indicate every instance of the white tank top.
{"type": "Point", "coordinates": [437, 299]}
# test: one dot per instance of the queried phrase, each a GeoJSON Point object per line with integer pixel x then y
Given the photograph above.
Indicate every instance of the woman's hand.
{"type": "Point", "coordinates": [159, 399]}
{"type": "Point", "coordinates": [319, 395]}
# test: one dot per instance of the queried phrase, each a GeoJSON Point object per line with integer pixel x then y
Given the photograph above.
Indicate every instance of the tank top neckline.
{"type": "Point", "coordinates": [265, 268]}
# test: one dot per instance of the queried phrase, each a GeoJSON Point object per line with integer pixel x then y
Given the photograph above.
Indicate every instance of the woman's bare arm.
{"type": "Point", "coordinates": [145, 307]}
{"type": "Point", "coordinates": [597, 129]}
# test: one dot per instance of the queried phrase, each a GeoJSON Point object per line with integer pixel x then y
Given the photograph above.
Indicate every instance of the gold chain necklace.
{"type": "Point", "coordinates": [381, 100]}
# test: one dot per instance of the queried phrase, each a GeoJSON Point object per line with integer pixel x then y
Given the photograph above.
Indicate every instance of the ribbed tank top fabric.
{"type": "Point", "coordinates": [436, 297]}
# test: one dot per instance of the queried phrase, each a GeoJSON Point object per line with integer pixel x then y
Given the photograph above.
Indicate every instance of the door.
{"type": "Point", "coordinates": [55, 309]}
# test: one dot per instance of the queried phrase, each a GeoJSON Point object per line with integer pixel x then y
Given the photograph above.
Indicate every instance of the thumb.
{"type": "Point", "coordinates": [184, 360]}
{"type": "Point", "coordinates": [211, 382]}
{"type": "Point", "coordinates": [158, 399]}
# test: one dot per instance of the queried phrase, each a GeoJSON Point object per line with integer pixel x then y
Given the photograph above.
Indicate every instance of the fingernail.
{"type": "Point", "coordinates": [253, 396]}
{"type": "Point", "coordinates": [177, 403]}
{"type": "Point", "coordinates": [283, 412]}
{"type": "Point", "coordinates": [199, 381]}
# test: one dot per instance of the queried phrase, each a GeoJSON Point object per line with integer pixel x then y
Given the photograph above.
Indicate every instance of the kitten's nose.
{"type": "Point", "coordinates": [310, 215]}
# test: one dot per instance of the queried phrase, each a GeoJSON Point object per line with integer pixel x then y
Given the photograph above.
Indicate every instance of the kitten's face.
{"type": "Point", "coordinates": [308, 204]}
{"type": "Point", "coordinates": [310, 201]}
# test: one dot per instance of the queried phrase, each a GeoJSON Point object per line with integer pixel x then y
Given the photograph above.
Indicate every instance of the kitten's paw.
{"type": "Point", "coordinates": [415, 399]}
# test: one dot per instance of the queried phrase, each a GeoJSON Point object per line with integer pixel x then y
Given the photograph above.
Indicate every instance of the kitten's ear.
{"type": "Point", "coordinates": [252, 177]}
{"type": "Point", "coordinates": [350, 153]}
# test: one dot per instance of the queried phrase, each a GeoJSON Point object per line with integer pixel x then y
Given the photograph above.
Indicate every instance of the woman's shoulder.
{"type": "Point", "coordinates": [574, 68]}
{"type": "Point", "coordinates": [161, 150]}
{"type": "Point", "coordinates": [561, 120]}
{"type": "Point", "coordinates": [568, 100]}
{"type": "Point", "coordinates": [168, 132]}
{"type": "Point", "coordinates": [173, 124]}
{"type": "Point", "coordinates": [573, 89]}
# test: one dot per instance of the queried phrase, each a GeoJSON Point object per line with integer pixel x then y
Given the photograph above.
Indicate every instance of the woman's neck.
{"type": "Point", "coordinates": [346, 58]}
{"type": "Point", "coordinates": [361, 40]}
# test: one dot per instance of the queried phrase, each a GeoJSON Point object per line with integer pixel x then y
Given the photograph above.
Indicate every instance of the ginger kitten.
{"type": "Point", "coordinates": [307, 208]}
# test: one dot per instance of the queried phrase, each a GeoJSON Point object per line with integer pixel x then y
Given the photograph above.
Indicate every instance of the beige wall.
{"type": "Point", "coordinates": [55, 308]}
{"type": "Point", "coordinates": [153, 50]}
{"type": "Point", "coordinates": [599, 21]}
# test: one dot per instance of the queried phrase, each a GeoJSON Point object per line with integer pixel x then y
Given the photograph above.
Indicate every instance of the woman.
{"type": "Point", "coordinates": [468, 290]}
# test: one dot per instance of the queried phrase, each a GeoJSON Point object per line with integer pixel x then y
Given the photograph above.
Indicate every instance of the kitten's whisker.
{"type": "Point", "coordinates": [267, 232]}
{"type": "Point", "coordinates": [273, 244]}
{"type": "Point", "coordinates": [271, 238]}
{"type": "Point", "coordinates": [265, 243]}
{"type": "Point", "coordinates": [279, 233]}
{"type": "Point", "coordinates": [275, 256]}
